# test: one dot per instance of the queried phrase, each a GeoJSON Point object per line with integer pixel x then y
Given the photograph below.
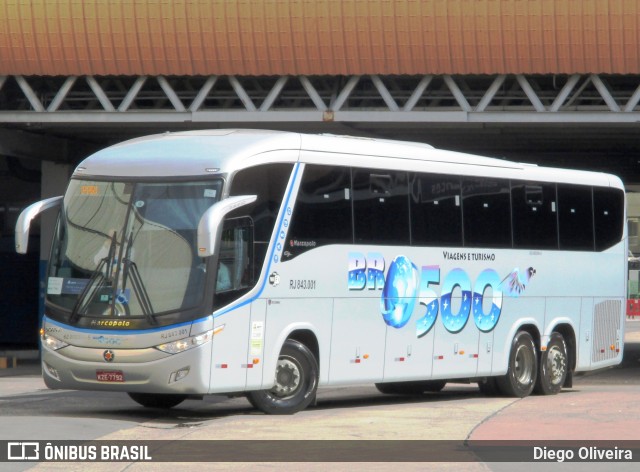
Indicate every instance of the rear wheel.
{"type": "Point", "coordinates": [296, 382]}
{"type": "Point", "coordinates": [153, 400]}
{"type": "Point", "coordinates": [411, 388]}
{"type": "Point", "coordinates": [523, 367]}
{"type": "Point", "coordinates": [553, 366]}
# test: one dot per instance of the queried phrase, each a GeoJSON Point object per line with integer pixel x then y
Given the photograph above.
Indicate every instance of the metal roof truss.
{"type": "Point", "coordinates": [578, 98]}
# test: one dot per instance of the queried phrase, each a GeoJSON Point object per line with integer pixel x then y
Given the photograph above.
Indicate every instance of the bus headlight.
{"type": "Point", "coordinates": [52, 343]}
{"type": "Point", "coordinates": [185, 344]}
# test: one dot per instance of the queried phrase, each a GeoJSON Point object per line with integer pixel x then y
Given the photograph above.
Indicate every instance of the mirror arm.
{"type": "Point", "coordinates": [26, 216]}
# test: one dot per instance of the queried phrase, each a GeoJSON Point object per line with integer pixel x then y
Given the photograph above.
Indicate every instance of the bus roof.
{"type": "Point", "coordinates": [206, 152]}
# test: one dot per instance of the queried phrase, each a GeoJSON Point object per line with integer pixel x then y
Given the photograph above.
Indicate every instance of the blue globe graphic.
{"type": "Point", "coordinates": [399, 292]}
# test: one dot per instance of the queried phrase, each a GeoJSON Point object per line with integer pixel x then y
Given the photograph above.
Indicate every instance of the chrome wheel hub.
{"type": "Point", "coordinates": [524, 365]}
{"type": "Point", "coordinates": [287, 378]}
{"type": "Point", "coordinates": [557, 364]}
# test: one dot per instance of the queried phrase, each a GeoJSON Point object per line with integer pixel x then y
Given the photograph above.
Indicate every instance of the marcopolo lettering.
{"type": "Point", "coordinates": [111, 323]}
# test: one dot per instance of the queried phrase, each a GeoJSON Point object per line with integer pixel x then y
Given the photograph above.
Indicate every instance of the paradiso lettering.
{"type": "Point", "coordinates": [404, 284]}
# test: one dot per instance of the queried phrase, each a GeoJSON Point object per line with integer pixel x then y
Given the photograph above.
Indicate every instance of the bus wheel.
{"type": "Point", "coordinates": [411, 388]}
{"type": "Point", "coordinates": [296, 382]}
{"type": "Point", "coordinates": [553, 366]}
{"type": "Point", "coordinates": [153, 400]}
{"type": "Point", "coordinates": [523, 367]}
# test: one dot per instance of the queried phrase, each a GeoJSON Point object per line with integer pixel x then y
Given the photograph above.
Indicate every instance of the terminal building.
{"type": "Point", "coordinates": [552, 82]}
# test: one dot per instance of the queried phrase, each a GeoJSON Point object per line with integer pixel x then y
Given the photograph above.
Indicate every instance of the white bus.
{"type": "Point", "coordinates": [271, 263]}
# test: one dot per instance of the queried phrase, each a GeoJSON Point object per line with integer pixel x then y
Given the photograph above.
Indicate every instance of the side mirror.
{"type": "Point", "coordinates": [212, 219]}
{"type": "Point", "coordinates": [24, 221]}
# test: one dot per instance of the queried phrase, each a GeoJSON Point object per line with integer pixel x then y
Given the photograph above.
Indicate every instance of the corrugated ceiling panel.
{"type": "Point", "coordinates": [273, 37]}
{"type": "Point", "coordinates": [631, 29]}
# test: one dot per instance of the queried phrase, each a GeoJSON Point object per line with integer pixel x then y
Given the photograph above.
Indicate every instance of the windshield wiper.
{"type": "Point", "coordinates": [140, 291]}
{"type": "Point", "coordinates": [96, 280]}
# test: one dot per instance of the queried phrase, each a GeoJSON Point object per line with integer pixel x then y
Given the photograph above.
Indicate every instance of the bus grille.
{"type": "Point", "coordinates": [606, 327]}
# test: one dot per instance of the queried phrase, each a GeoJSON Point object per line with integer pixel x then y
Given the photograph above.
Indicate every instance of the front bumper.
{"type": "Point", "coordinates": [143, 370]}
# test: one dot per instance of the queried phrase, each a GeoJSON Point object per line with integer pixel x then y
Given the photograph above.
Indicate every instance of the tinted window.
{"type": "Point", "coordinates": [235, 273]}
{"type": "Point", "coordinates": [268, 182]}
{"type": "Point", "coordinates": [436, 211]}
{"type": "Point", "coordinates": [486, 212]}
{"type": "Point", "coordinates": [535, 217]}
{"type": "Point", "coordinates": [608, 210]}
{"type": "Point", "coordinates": [576, 217]}
{"type": "Point", "coordinates": [322, 213]}
{"type": "Point", "coordinates": [380, 207]}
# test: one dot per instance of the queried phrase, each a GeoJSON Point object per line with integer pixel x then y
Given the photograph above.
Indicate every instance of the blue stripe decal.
{"type": "Point", "coordinates": [122, 331]}
{"type": "Point", "coordinates": [296, 168]}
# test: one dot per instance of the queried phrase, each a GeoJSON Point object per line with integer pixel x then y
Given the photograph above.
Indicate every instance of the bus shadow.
{"type": "Point", "coordinates": [378, 399]}
{"type": "Point", "coordinates": [192, 412]}
{"type": "Point", "coordinates": [213, 408]}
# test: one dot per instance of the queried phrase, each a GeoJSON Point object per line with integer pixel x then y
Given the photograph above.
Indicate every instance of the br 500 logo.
{"type": "Point", "coordinates": [404, 284]}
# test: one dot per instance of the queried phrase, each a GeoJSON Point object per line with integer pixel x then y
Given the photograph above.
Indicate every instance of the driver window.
{"type": "Point", "coordinates": [235, 261]}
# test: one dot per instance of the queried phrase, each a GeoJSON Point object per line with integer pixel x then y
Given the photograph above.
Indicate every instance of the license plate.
{"type": "Point", "coordinates": [109, 376]}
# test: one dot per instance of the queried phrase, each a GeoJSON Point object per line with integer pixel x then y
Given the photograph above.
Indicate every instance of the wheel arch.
{"type": "Point", "coordinates": [309, 339]}
{"type": "Point", "coordinates": [528, 325]}
{"type": "Point", "coordinates": [303, 333]}
{"type": "Point", "coordinates": [530, 328]}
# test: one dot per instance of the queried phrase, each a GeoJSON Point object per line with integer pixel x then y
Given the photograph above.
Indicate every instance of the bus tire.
{"type": "Point", "coordinates": [296, 382]}
{"type": "Point", "coordinates": [411, 388]}
{"type": "Point", "coordinates": [552, 371]}
{"type": "Point", "coordinates": [155, 400]}
{"type": "Point", "coordinates": [523, 367]}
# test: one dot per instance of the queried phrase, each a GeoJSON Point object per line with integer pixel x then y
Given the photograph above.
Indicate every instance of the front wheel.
{"type": "Point", "coordinates": [553, 366]}
{"type": "Point", "coordinates": [296, 382]}
{"type": "Point", "coordinates": [151, 400]}
{"type": "Point", "coordinates": [523, 367]}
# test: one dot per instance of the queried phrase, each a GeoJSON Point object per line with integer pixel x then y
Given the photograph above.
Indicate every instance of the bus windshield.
{"type": "Point", "coordinates": [128, 249]}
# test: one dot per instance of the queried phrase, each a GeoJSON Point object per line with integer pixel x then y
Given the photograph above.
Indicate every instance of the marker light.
{"type": "Point", "coordinates": [185, 344]}
{"type": "Point", "coordinates": [52, 343]}
{"type": "Point", "coordinates": [53, 372]}
{"type": "Point", "coordinates": [179, 375]}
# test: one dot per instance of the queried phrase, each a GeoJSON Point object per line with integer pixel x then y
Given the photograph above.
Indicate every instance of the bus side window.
{"type": "Point", "coordinates": [608, 208]}
{"type": "Point", "coordinates": [322, 213]}
{"type": "Point", "coordinates": [269, 183]}
{"type": "Point", "coordinates": [380, 207]}
{"type": "Point", "coordinates": [535, 217]}
{"type": "Point", "coordinates": [436, 210]}
{"type": "Point", "coordinates": [486, 209]}
{"type": "Point", "coordinates": [576, 217]}
{"type": "Point", "coordinates": [235, 273]}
